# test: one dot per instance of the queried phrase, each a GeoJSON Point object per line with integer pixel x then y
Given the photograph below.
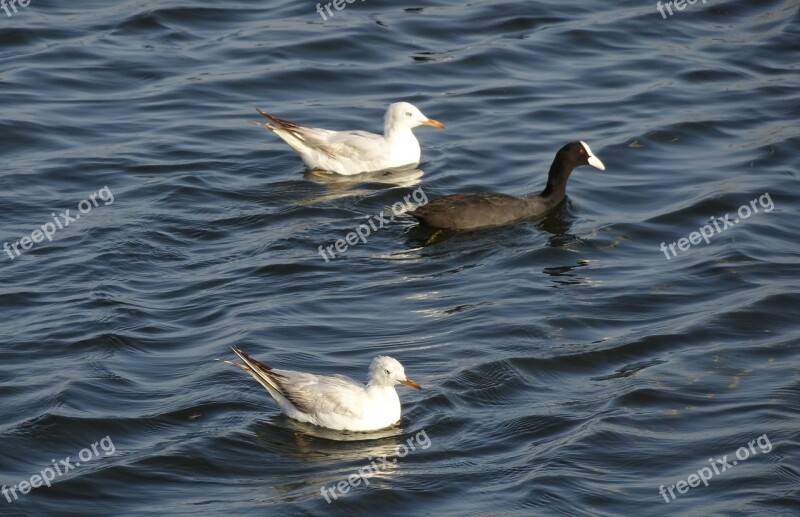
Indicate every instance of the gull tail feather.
{"type": "Point", "coordinates": [283, 124]}
{"type": "Point", "coordinates": [262, 373]}
{"type": "Point", "coordinates": [293, 134]}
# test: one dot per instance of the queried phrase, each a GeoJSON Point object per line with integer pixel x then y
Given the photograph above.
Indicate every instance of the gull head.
{"type": "Point", "coordinates": [406, 115]}
{"type": "Point", "coordinates": [386, 371]}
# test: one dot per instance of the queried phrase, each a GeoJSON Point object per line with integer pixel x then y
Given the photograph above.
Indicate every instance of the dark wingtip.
{"type": "Point", "coordinates": [241, 353]}
{"type": "Point", "coordinates": [264, 366]}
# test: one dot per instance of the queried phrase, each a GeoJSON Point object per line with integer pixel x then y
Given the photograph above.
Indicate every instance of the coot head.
{"type": "Point", "coordinates": [585, 154]}
{"type": "Point", "coordinates": [567, 158]}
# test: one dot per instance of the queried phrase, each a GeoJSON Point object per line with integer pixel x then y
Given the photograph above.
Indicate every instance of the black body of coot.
{"type": "Point", "coordinates": [485, 209]}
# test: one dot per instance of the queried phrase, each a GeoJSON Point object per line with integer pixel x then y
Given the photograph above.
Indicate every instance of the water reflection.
{"type": "Point", "coordinates": [331, 457]}
{"type": "Point", "coordinates": [566, 275]}
{"type": "Point", "coordinates": [408, 177]}
{"type": "Point", "coordinates": [339, 186]}
{"type": "Point", "coordinates": [313, 432]}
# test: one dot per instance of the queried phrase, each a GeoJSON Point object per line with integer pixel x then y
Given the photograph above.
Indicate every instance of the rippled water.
{"type": "Point", "coordinates": [569, 367]}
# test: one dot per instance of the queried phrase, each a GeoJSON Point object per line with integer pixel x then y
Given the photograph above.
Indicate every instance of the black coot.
{"type": "Point", "coordinates": [478, 210]}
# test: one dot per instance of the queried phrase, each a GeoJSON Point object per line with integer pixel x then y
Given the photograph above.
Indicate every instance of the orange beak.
{"type": "Point", "coordinates": [409, 382]}
{"type": "Point", "coordinates": [434, 123]}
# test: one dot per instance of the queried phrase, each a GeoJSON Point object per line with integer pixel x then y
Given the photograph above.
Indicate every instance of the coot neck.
{"type": "Point", "coordinates": [557, 179]}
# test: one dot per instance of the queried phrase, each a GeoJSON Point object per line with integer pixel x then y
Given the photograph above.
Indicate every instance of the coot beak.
{"type": "Point", "coordinates": [434, 123]}
{"type": "Point", "coordinates": [409, 382]}
{"type": "Point", "coordinates": [595, 162]}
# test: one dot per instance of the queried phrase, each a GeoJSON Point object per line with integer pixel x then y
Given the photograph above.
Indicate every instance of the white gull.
{"type": "Point", "coordinates": [335, 401]}
{"type": "Point", "coordinates": [353, 152]}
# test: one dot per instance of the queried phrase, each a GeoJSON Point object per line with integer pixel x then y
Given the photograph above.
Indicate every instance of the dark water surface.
{"type": "Point", "coordinates": [569, 367]}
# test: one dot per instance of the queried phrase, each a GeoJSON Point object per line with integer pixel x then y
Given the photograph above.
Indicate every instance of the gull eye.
{"type": "Point", "coordinates": [386, 372]}
{"type": "Point", "coordinates": [408, 113]}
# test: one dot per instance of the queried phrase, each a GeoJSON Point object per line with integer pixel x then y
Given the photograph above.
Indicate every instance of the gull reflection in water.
{"type": "Point", "coordinates": [324, 458]}
{"type": "Point", "coordinates": [339, 186]}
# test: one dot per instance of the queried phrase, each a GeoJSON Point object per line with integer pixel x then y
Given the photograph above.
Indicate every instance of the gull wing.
{"type": "Point", "coordinates": [360, 145]}
{"type": "Point", "coordinates": [309, 393]}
